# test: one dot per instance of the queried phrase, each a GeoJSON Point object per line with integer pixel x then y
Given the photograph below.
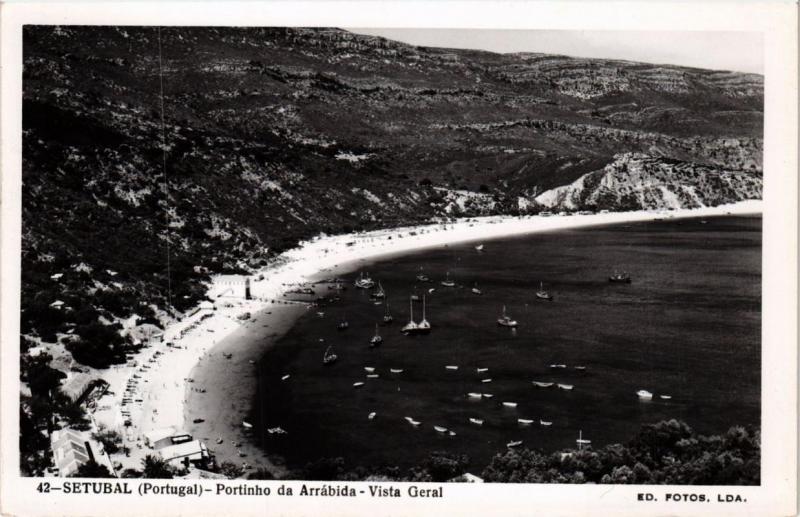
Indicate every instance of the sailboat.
{"type": "Point", "coordinates": [329, 357]}
{"type": "Point", "coordinates": [379, 293]}
{"type": "Point", "coordinates": [411, 326]}
{"type": "Point", "coordinates": [422, 277]}
{"type": "Point", "coordinates": [447, 282]}
{"type": "Point", "coordinates": [387, 316]}
{"type": "Point", "coordinates": [505, 320]}
{"type": "Point", "coordinates": [424, 326]}
{"type": "Point", "coordinates": [475, 289]}
{"type": "Point", "coordinates": [542, 294]}
{"type": "Point", "coordinates": [376, 339]}
{"type": "Point", "coordinates": [479, 247]}
{"type": "Point", "coordinates": [343, 325]}
{"type": "Point", "coordinates": [364, 282]}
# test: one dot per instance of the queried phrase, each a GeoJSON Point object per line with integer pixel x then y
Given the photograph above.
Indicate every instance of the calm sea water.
{"type": "Point", "coordinates": [687, 326]}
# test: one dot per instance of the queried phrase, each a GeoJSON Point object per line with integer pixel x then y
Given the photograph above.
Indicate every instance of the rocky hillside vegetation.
{"type": "Point", "coordinates": [275, 135]}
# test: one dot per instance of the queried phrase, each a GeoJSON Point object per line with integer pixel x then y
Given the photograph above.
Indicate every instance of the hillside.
{"type": "Point", "coordinates": [275, 135]}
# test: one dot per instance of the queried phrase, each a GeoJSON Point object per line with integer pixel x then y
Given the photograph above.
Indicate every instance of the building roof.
{"type": "Point", "coordinates": [159, 434]}
{"type": "Point", "coordinates": [69, 450]}
{"type": "Point", "coordinates": [194, 450]}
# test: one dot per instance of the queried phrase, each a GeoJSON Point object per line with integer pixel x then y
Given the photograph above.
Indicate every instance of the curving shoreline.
{"type": "Point", "coordinates": [229, 384]}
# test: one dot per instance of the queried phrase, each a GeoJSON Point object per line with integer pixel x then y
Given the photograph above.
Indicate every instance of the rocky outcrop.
{"type": "Point", "coordinates": [636, 181]}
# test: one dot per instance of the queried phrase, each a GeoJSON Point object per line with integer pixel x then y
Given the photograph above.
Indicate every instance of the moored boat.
{"type": "Point", "coordinates": [542, 294]}
{"type": "Point", "coordinates": [474, 395]}
{"type": "Point", "coordinates": [379, 293]}
{"type": "Point", "coordinates": [524, 421]}
{"type": "Point", "coordinates": [479, 247]}
{"type": "Point", "coordinates": [358, 384]}
{"type": "Point", "coordinates": [369, 369]}
{"type": "Point", "coordinates": [545, 423]}
{"type": "Point", "coordinates": [372, 376]}
{"type": "Point", "coordinates": [581, 441]}
{"type": "Point", "coordinates": [539, 384]}
{"type": "Point", "coordinates": [387, 316]}
{"type": "Point", "coordinates": [486, 380]}
{"type": "Point", "coordinates": [440, 429]}
{"type": "Point", "coordinates": [371, 415]}
{"type": "Point", "coordinates": [513, 444]}
{"type": "Point", "coordinates": [644, 395]}
{"type": "Point", "coordinates": [451, 367]}
{"type": "Point", "coordinates": [376, 339]}
{"type": "Point", "coordinates": [665, 397]}
{"type": "Point", "coordinates": [510, 404]}
{"type": "Point", "coordinates": [329, 357]}
{"type": "Point", "coordinates": [620, 278]}
{"type": "Point", "coordinates": [475, 289]}
{"type": "Point", "coordinates": [476, 421]}
{"type": "Point", "coordinates": [364, 282]}
{"type": "Point", "coordinates": [481, 370]}
{"type": "Point", "coordinates": [566, 386]}
{"type": "Point", "coordinates": [487, 395]}
{"type": "Point", "coordinates": [447, 282]}
{"type": "Point", "coordinates": [558, 366]}
{"type": "Point", "coordinates": [396, 370]}
{"type": "Point", "coordinates": [505, 320]}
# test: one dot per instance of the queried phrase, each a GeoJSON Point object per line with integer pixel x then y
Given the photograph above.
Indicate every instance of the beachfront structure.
{"type": "Point", "coordinates": [193, 453]}
{"type": "Point", "coordinates": [231, 286]}
{"type": "Point", "coordinates": [166, 436]}
{"type": "Point", "coordinates": [72, 448]}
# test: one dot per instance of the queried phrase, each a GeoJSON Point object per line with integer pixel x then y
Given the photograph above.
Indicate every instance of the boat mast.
{"type": "Point", "coordinates": [411, 310]}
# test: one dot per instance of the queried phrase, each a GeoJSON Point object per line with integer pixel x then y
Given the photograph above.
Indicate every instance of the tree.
{"type": "Point", "coordinates": [92, 469]}
{"type": "Point", "coordinates": [156, 468]}
{"type": "Point", "coordinates": [230, 470]}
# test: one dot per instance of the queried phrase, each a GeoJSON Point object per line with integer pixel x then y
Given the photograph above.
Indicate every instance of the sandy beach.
{"type": "Point", "coordinates": [169, 378]}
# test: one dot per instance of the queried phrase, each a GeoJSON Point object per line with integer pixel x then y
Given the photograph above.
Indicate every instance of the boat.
{"type": "Point", "coordinates": [411, 326]}
{"type": "Point", "coordinates": [580, 368]}
{"type": "Point", "coordinates": [481, 370]}
{"type": "Point", "coordinates": [620, 278]}
{"type": "Point", "coordinates": [474, 395]}
{"type": "Point", "coordinates": [358, 384]}
{"type": "Point", "coordinates": [566, 386]}
{"type": "Point", "coordinates": [369, 369]}
{"type": "Point", "coordinates": [479, 247]}
{"type": "Point", "coordinates": [558, 366]}
{"type": "Point", "coordinates": [505, 320]}
{"type": "Point", "coordinates": [387, 317]}
{"type": "Point", "coordinates": [376, 339]}
{"type": "Point", "coordinates": [545, 423]}
{"type": "Point", "coordinates": [524, 421]}
{"type": "Point", "coordinates": [513, 444]}
{"type": "Point", "coordinates": [329, 357]}
{"type": "Point", "coordinates": [414, 423]}
{"type": "Point", "coordinates": [408, 418]}
{"type": "Point", "coordinates": [486, 380]}
{"type": "Point", "coordinates": [247, 425]}
{"type": "Point", "coordinates": [451, 433]}
{"type": "Point", "coordinates": [371, 416]}
{"type": "Point", "coordinates": [372, 376]}
{"type": "Point", "coordinates": [665, 397]}
{"type": "Point", "coordinates": [580, 441]}
{"type": "Point", "coordinates": [343, 325]}
{"type": "Point", "coordinates": [440, 429]}
{"type": "Point", "coordinates": [379, 293]}
{"type": "Point", "coordinates": [396, 370]}
{"type": "Point", "coordinates": [476, 421]}
{"type": "Point", "coordinates": [644, 395]}
{"type": "Point", "coordinates": [424, 325]}
{"type": "Point", "coordinates": [542, 294]}
{"type": "Point", "coordinates": [539, 384]}
{"type": "Point", "coordinates": [451, 367]}
{"type": "Point", "coordinates": [422, 277]}
{"type": "Point", "coordinates": [364, 282]}
{"type": "Point", "coordinates": [510, 404]}
{"type": "Point", "coordinates": [487, 395]}
{"type": "Point", "coordinates": [447, 282]}
{"type": "Point", "coordinates": [475, 289]}
{"type": "Point", "coordinates": [285, 377]}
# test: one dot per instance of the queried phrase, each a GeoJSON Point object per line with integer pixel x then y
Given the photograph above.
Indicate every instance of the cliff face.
{"type": "Point", "coordinates": [636, 181]}
{"type": "Point", "coordinates": [275, 135]}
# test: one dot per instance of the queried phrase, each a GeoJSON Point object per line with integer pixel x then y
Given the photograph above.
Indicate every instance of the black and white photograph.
{"type": "Point", "coordinates": [392, 259]}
